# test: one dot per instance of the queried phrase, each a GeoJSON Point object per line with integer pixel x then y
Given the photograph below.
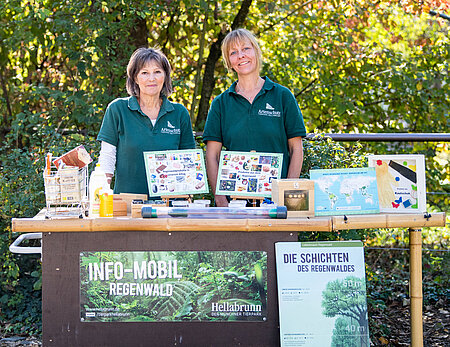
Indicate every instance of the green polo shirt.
{"type": "Point", "coordinates": [263, 126]}
{"type": "Point", "coordinates": [131, 131]}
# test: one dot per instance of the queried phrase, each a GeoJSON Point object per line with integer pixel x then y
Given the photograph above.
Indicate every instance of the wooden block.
{"type": "Point", "coordinates": [129, 197]}
{"type": "Point", "coordinates": [296, 194]}
{"type": "Point", "coordinates": [119, 206]}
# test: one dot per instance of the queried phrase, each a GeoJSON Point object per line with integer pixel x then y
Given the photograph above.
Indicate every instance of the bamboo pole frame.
{"type": "Point", "coordinates": [415, 286]}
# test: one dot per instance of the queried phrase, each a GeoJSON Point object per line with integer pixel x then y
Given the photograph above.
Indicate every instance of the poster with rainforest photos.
{"type": "Point", "coordinates": [322, 294]}
{"type": "Point", "coordinates": [173, 286]}
{"type": "Point", "coordinates": [248, 173]}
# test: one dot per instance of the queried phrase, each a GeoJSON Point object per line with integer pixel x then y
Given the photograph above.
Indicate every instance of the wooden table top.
{"type": "Point", "coordinates": [326, 223]}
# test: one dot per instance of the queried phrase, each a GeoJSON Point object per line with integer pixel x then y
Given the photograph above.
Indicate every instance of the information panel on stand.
{"type": "Point", "coordinates": [322, 293]}
{"type": "Point", "coordinates": [173, 286]}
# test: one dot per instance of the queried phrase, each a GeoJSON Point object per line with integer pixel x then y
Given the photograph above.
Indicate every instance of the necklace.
{"type": "Point", "coordinates": [251, 93]}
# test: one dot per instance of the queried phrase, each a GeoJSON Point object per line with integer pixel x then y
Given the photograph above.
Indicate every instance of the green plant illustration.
{"type": "Point", "coordinates": [346, 299]}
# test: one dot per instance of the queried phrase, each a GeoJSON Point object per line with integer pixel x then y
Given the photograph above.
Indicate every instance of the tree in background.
{"type": "Point", "coordinates": [354, 66]}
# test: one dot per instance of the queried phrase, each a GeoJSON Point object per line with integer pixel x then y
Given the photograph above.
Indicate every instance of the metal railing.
{"type": "Point", "coordinates": [389, 137]}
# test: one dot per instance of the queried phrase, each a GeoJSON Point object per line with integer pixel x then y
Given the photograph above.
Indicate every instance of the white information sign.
{"type": "Point", "coordinates": [322, 294]}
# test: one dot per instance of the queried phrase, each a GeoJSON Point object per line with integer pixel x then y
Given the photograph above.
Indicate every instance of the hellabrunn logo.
{"type": "Point", "coordinates": [235, 307]}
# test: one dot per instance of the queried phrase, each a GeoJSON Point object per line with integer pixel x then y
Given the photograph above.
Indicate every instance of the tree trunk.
{"type": "Point", "coordinates": [198, 71]}
{"type": "Point", "coordinates": [4, 87]}
{"type": "Point", "coordinates": [210, 65]}
{"type": "Point", "coordinates": [139, 33]}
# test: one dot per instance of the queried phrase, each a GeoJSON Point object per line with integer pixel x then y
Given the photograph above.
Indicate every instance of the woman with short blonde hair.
{"type": "Point", "coordinates": [254, 114]}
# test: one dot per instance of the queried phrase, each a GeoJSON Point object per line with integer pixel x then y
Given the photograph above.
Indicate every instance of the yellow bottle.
{"type": "Point", "coordinates": [106, 203]}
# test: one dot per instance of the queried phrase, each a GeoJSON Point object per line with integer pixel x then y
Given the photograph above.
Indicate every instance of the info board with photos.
{"type": "Point", "coordinates": [178, 172]}
{"type": "Point", "coordinates": [248, 173]}
{"type": "Point", "coordinates": [401, 182]}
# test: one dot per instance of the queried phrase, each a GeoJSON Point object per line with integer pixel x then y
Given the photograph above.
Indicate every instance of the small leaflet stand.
{"type": "Point", "coordinates": [167, 198]}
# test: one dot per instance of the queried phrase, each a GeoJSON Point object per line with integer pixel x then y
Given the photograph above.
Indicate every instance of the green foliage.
{"type": "Point", "coordinates": [20, 295]}
{"type": "Point", "coordinates": [321, 152]}
{"type": "Point", "coordinates": [354, 66]}
{"type": "Point", "coordinates": [387, 273]}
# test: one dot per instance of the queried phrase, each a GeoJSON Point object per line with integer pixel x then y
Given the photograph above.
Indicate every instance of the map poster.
{"type": "Point", "coordinates": [322, 294]}
{"type": "Point", "coordinates": [178, 172]}
{"type": "Point", "coordinates": [345, 191]}
{"type": "Point", "coordinates": [248, 173]}
{"type": "Point", "coordinates": [173, 286]}
{"type": "Point", "coordinates": [401, 182]}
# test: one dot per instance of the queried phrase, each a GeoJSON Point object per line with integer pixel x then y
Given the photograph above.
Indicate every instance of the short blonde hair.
{"type": "Point", "coordinates": [138, 60]}
{"type": "Point", "coordinates": [240, 35]}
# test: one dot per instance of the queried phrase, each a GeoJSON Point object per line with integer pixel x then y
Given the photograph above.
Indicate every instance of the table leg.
{"type": "Point", "coordinates": [415, 284]}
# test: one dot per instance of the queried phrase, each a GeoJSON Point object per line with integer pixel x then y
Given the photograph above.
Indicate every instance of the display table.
{"type": "Point", "coordinates": [64, 239]}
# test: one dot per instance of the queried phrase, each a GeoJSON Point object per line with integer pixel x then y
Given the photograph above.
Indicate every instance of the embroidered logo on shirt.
{"type": "Point", "coordinates": [171, 130]}
{"type": "Point", "coordinates": [269, 111]}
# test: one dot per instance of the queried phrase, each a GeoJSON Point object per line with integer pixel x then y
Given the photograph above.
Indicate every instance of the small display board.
{"type": "Point", "coordinates": [173, 286]}
{"type": "Point", "coordinates": [248, 174]}
{"type": "Point", "coordinates": [180, 172]}
{"type": "Point", "coordinates": [401, 182]}
{"type": "Point", "coordinates": [345, 191]}
{"type": "Point", "coordinates": [296, 194]}
{"type": "Point", "coordinates": [322, 294]}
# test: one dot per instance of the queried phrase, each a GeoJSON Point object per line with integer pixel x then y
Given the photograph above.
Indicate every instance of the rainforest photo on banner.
{"type": "Point", "coordinates": [173, 286]}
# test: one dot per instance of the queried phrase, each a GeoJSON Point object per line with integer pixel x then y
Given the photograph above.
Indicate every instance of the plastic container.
{"type": "Point", "coordinates": [97, 182]}
{"type": "Point", "coordinates": [201, 203]}
{"type": "Point", "coordinates": [180, 203]}
{"type": "Point", "coordinates": [279, 212]}
{"type": "Point", "coordinates": [237, 203]}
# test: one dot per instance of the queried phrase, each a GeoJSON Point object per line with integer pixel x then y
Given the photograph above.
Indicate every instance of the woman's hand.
{"type": "Point", "coordinates": [220, 201]}
{"type": "Point", "coordinates": [295, 145]}
{"type": "Point", "coordinates": [213, 149]}
{"type": "Point", "coordinates": [109, 177]}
